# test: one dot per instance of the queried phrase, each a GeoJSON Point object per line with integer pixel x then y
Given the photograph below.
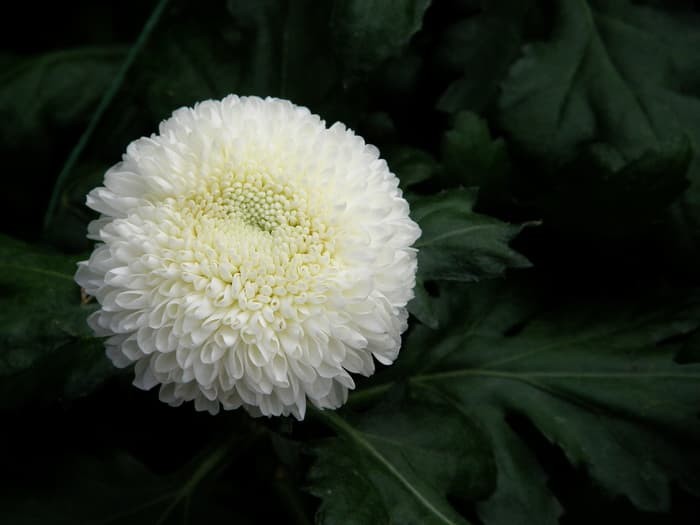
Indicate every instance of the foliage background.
{"type": "Point", "coordinates": [549, 374]}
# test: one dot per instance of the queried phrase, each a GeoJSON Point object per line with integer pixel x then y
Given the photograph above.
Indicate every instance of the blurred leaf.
{"type": "Point", "coordinates": [176, 72]}
{"type": "Point", "coordinates": [278, 44]}
{"type": "Point", "coordinates": [470, 156]}
{"type": "Point", "coordinates": [400, 463]}
{"type": "Point", "coordinates": [68, 228]}
{"type": "Point", "coordinates": [43, 102]}
{"type": "Point", "coordinates": [480, 49]}
{"type": "Point", "coordinates": [459, 244]}
{"type": "Point", "coordinates": [367, 32]}
{"type": "Point", "coordinates": [57, 89]}
{"type": "Point", "coordinates": [264, 48]}
{"type": "Point", "coordinates": [606, 75]}
{"type": "Point", "coordinates": [412, 166]}
{"type": "Point", "coordinates": [685, 214]}
{"type": "Point", "coordinates": [604, 107]}
{"type": "Point", "coordinates": [46, 348]}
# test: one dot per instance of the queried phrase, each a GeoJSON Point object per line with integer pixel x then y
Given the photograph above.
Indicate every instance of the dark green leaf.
{"type": "Point", "coordinates": [459, 244]}
{"type": "Point", "coordinates": [399, 464]}
{"type": "Point", "coordinates": [469, 156]}
{"type": "Point", "coordinates": [367, 32]}
{"type": "Point", "coordinates": [285, 48]}
{"type": "Point", "coordinates": [412, 166]}
{"type": "Point", "coordinates": [46, 348]}
{"type": "Point", "coordinates": [44, 102]}
{"type": "Point", "coordinates": [480, 48]}
{"type": "Point", "coordinates": [421, 305]}
{"type": "Point", "coordinates": [53, 90]}
{"type": "Point", "coordinates": [608, 96]}
{"type": "Point", "coordinates": [606, 75]}
{"type": "Point", "coordinates": [264, 48]}
{"type": "Point", "coordinates": [522, 495]}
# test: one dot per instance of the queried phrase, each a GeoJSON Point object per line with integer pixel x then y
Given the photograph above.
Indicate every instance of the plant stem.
{"type": "Point", "coordinates": [105, 101]}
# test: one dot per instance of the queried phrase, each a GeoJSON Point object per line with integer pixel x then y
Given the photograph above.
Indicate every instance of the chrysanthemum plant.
{"type": "Point", "coordinates": [474, 302]}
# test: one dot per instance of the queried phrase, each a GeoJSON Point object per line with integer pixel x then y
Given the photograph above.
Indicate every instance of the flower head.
{"type": "Point", "coordinates": [250, 256]}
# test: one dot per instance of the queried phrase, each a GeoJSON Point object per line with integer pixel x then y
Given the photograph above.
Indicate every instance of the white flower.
{"type": "Point", "coordinates": [250, 256]}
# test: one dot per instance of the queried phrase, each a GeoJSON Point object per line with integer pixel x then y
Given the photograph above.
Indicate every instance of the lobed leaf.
{"type": "Point", "coordinates": [604, 76]}
{"type": "Point", "coordinates": [470, 156]}
{"type": "Point", "coordinates": [459, 244]}
{"type": "Point", "coordinates": [604, 108]}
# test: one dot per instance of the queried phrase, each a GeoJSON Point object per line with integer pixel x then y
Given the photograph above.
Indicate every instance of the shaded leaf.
{"type": "Point", "coordinates": [280, 43]}
{"type": "Point", "coordinates": [604, 107]}
{"type": "Point", "coordinates": [44, 101]}
{"type": "Point", "coordinates": [470, 156]}
{"type": "Point", "coordinates": [522, 495]}
{"type": "Point", "coordinates": [605, 75]}
{"type": "Point", "coordinates": [367, 32]}
{"type": "Point", "coordinates": [412, 166]}
{"type": "Point", "coordinates": [53, 90]}
{"type": "Point", "coordinates": [421, 305]}
{"type": "Point", "coordinates": [46, 347]}
{"type": "Point", "coordinates": [459, 244]}
{"type": "Point", "coordinates": [400, 463]}
{"type": "Point", "coordinates": [480, 49]}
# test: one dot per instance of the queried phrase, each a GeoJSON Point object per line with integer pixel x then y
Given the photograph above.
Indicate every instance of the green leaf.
{"type": "Point", "coordinates": [53, 90]}
{"type": "Point", "coordinates": [596, 378]}
{"type": "Point", "coordinates": [44, 101]}
{"type": "Point", "coordinates": [278, 43]}
{"type": "Point", "coordinates": [522, 496]}
{"type": "Point", "coordinates": [400, 463]}
{"type": "Point", "coordinates": [46, 348]}
{"type": "Point", "coordinates": [470, 156]}
{"type": "Point", "coordinates": [480, 49]}
{"type": "Point", "coordinates": [605, 107]}
{"type": "Point", "coordinates": [605, 75]}
{"type": "Point", "coordinates": [367, 32]}
{"type": "Point", "coordinates": [421, 305]}
{"type": "Point", "coordinates": [412, 166]}
{"type": "Point", "coordinates": [458, 244]}
{"type": "Point", "coordinates": [201, 63]}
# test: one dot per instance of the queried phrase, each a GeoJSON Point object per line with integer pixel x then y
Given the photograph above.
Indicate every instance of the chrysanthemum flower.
{"type": "Point", "coordinates": [250, 256]}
